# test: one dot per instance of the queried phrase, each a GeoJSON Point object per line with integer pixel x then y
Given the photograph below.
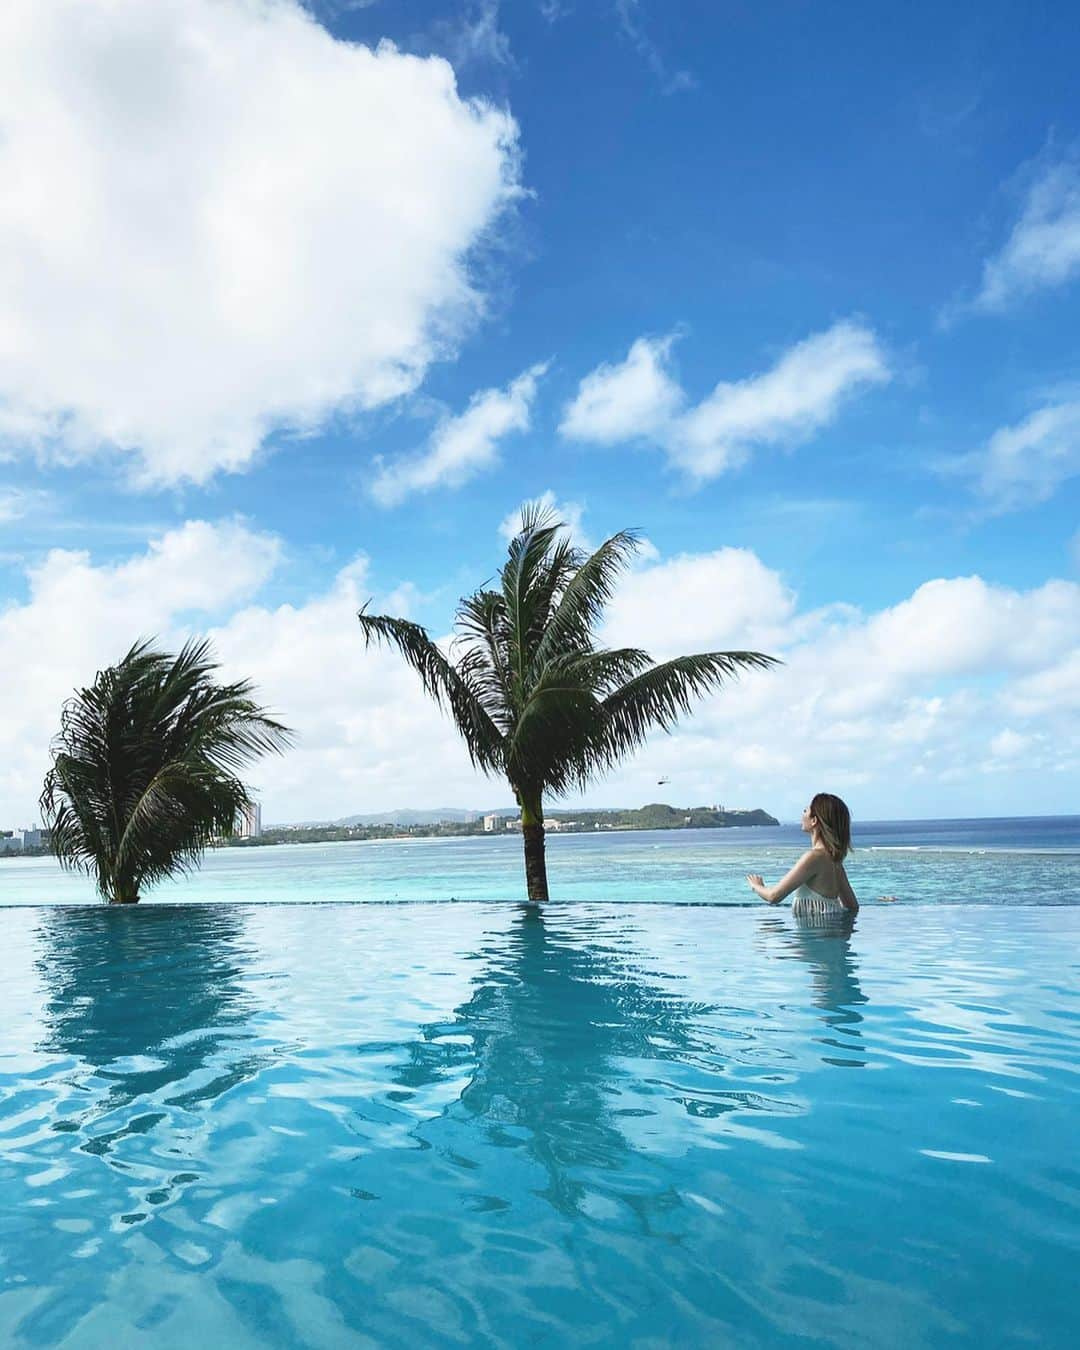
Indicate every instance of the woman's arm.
{"type": "Point", "coordinates": [847, 895]}
{"type": "Point", "coordinates": [799, 875]}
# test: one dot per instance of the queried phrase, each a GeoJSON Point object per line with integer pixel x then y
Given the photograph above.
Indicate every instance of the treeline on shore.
{"type": "Point", "coordinates": [655, 816]}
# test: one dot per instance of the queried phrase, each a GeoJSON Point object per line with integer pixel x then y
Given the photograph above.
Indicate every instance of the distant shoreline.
{"type": "Point", "coordinates": [657, 816]}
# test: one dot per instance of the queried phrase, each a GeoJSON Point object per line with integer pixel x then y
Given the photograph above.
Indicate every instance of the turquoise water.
{"type": "Point", "coordinates": [621, 1125]}
{"type": "Point", "coordinates": [664, 1114]}
{"type": "Point", "coordinates": [1011, 862]}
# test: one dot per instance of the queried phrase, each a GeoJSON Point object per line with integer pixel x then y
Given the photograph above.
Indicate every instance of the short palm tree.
{"type": "Point", "coordinates": [534, 696]}
{"type": "Point", "coordinates": [144, 768]}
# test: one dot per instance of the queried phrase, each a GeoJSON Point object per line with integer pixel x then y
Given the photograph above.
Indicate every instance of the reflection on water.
{"type": "Point", "coordinates": [122, 983]}
{"type": "Point", "coordinates": [145, 1001]}
{"type": "Point", "coordinates": [145, 1023]}
{"type": "Point", "coordinates": [581, 1053]}
{"type": "Point", "coordinates": [823, 943]}
{"type": "Point", "coordinates": [551, 1026]}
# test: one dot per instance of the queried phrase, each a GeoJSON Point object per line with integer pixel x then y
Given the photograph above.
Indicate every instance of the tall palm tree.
{"type": "Point", "coordinates": [534, 696]}
{"type": "Point", "coordinates": [144, 768]}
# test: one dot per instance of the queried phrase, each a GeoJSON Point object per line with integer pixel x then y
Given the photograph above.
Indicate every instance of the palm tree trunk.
{"type": "Point", "coordinates": [532, 830]}
{"type": "Point", "coordinates": [121, 891]}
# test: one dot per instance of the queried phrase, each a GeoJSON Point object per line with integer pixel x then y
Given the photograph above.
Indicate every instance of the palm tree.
{"type": "Point", "coordinates": [144, 768]}
{"type": "Point", "coordinates": [533, 695]}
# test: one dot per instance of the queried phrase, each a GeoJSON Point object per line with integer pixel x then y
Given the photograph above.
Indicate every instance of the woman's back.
{"type": "Point", "coordinates": [821, 895]}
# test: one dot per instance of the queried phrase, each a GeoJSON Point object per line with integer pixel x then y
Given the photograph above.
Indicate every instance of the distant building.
{"type": "Point", "coordinates": [249, 821]}
{"type": "Point", "coordinates": [14, 841]}
{"type": "Point", "coordinates": [491, 823]}
{"type": "Point", "coordinates": [512, 823]}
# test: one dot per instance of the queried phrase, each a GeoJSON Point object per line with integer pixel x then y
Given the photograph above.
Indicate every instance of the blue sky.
{"type": "Point", "coordinates": [846, 242]}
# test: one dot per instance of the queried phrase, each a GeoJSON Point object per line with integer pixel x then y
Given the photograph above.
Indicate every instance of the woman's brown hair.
{"type": "Point", "coordinates": [833, 821]}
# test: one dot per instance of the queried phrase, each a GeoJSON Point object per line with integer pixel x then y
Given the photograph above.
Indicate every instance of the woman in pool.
{"type": "Point", "coordinates": [818, 879]}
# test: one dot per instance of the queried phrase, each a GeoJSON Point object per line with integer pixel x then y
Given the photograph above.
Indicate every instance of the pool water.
{"type": "Point", "coordinates": [618, 1125]}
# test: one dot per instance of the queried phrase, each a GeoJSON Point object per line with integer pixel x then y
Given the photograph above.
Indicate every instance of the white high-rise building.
{"type": "Point", "coordinates": [249, 821]}
{"type": "Point", "coordinates": [491, 823]}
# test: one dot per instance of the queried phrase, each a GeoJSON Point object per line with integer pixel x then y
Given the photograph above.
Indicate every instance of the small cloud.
{"type": "Point", "coordinates": [626, 401]}
{"type": "Point", "coordinates": [570, 513]}
{"type": "Point", "coordinates": [462, 446]}
{"type": "Point", "coordinates": [671, 81]}
{"type": "Point", "coordinates": [15, 503]}
{"type": "Point", "coordinates": [638, 399]}
{"type": "Point", "coordinates": [470, 39]}
{"type": "Point", "coordinates": [1025, 464]}
{"type": "Point", "coordinates": [554, 10]}
{"type": "Point", "coordinates": [1008, 744]}
{"type": "Point", "coordinates": [786, 404]}
{"type": "Point", "coordinates": [1043, 249]}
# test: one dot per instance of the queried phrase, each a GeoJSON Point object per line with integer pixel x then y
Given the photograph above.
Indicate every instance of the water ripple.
{"type": "Point", "coordinates": [469, 1126]}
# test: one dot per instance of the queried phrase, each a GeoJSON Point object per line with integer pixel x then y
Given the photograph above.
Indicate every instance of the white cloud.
{"type": "Point", "coordinates": [634, 399]}
{"type": "Point", "coordinates": [570, 513]}
{"type": "Point", "coordinates": [462, 446]}
{"type": "Point", "coordinates": [1048, 691]}
{"type": "Point", "coordinates": [366, 732]}
{"type": "Point", "coordinates": [219, 221]}
{"type": "Point", "coordinates": [474, 36]}
{"type": "Point", "coordinates": [787, 404]}
{"type": "Point", "coordinates": [906, 709]}
{"type": "Point", "coordinates": [895, 708]}
{"type": "Point", "coordinates": [18, 502]}
{"type": "Point", "coordinates": [80, 617]}
{"type": "Point", "coordinates": [1026, 464]}
{"type": "Point", "coordinates": [963, 625]}
{"type": "Point", "coordinates": [1043, 249]}
{"type": "Point", "coordinates": [200, 566]}
{"type": "Point", "coordinates": [700, 602]}
{"type": "Point", "coordinates": [1008, 744]}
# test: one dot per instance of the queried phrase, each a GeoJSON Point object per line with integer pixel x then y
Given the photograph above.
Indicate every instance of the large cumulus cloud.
{"type": "Point", "coordinates": [218, 221]}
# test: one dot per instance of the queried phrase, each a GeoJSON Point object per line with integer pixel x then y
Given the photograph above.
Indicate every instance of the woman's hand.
{"type": "Point", "coordinates": [757, 882]}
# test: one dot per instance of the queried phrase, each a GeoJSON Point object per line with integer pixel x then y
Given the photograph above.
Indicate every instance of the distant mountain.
{"type": "Point", "coordinates": [435, 816]}
{"type": "Point", "coordinates": [654, 816]}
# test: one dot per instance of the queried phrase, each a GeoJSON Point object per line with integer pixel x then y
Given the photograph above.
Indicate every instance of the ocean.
{"type": "Point", "coordinates": [1034, 860]}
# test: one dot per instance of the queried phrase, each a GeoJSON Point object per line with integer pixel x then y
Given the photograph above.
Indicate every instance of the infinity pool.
{"type": "Point", "coordinates": [457, 1124]}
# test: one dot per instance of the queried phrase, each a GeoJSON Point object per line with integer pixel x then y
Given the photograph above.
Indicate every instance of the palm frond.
{"type": "Point", "coordinates": [145, 766]}
{"type": "Point", "coordinates": [485, 650]}
{"type": "Point", "coordinates": [442, 682]}
{"type": "Point", "coordinates": [526, 555]}
{"type": "Point", "coordinates": [581, 606]}
{"type": "Point", "coordinates": [658, 697]}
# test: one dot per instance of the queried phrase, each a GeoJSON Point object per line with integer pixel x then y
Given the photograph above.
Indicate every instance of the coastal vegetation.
{"type": "Point", "coordinates": [144, 772]}
{"type": "Point", "coordinates": [656, 816]}
{"type": "Point", "coordinates": [533, 692]}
